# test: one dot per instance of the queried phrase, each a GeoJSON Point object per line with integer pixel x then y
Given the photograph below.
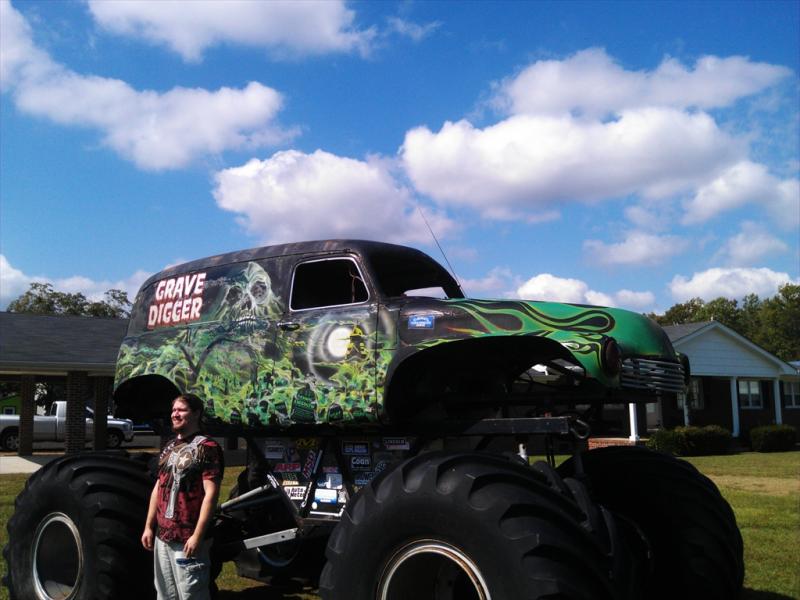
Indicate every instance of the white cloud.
{"type": "Point", "coordinates": [559, 289]}
{"type": "Point", "coordinates": [753, 243]}
{"type": "Point", "coordinates": [635, 300]}
{"type": "Point", "coordinates": [412, 30]}
{"type": "Point", "coordinates": [293, 196]}
{"type": "Point", "coordinates": [784, 205]}
{"type": "Point", "coordinates": [731, 283]}
{"type": "Point", "coordinates": [530, 161]}
{"type": "Point", "coordinates": [742, 183]}
{"type": "Point", "coordinates": [19, 57]}
{"type": "Point", "coordinates": [585, 128]}
{"type": "Point", "coordinates": [283, 27]}
{"type": "Point", "coordinates": [550, 288]}
{"type": "Point", "coordinates": [14, 283]}
{"type": "Point", "coordinates": [495, 283]}
{"type": "Point", "coordinates": [155, 130]}
{"type": "Point", "coordinates": [638, 248]}
{"type": "Point", "coordinates": [651, 216]}
{"type": "Point", "coordinates": [591, 83]}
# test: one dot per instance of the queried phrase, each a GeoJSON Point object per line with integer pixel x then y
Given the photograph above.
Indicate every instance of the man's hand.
{"type": "Point", "coordinates": [147, 538]}
{"type": "Point", "coordinates": [190, 547]}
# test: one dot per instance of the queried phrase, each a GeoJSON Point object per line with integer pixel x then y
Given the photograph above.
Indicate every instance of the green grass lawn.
{"type": "Point", "coordinates": [763, 489]}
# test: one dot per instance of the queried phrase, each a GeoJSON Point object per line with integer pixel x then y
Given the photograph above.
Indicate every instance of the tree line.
{"type": "Point", "coordinates": [42, 299]}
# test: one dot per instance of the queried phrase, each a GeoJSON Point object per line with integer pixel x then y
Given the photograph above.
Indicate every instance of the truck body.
{"type": "Point", "coordinates": [52, 427]}
{"type": "Point", "coordinates": [335, 333]}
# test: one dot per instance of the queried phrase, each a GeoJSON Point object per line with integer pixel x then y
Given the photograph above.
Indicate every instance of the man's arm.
{"type": "Point", "coordinates": [150, 521]}
{"type": "Point", "coordinates": [211, 491]}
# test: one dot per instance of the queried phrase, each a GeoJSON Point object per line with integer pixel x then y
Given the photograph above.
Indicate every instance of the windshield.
{"type": "Point", "coordinates": [406, 272]}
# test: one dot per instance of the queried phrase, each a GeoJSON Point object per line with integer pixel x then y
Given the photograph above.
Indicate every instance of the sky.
{"type": "Point", "coordinates": [630, 154]}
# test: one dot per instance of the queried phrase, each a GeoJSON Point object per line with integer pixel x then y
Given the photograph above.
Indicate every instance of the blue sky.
{"type": "Point", "coordinates": [632, 154]}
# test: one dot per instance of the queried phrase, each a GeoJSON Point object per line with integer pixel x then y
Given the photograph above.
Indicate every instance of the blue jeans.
{"type": "Point", "coordinates": [178, 577]}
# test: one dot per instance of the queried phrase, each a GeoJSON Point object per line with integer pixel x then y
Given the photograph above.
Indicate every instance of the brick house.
{"type": "Point", "coordinates": [735, 383]}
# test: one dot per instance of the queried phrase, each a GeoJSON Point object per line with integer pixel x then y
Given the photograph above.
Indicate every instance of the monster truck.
{"type": "Point", "coordinates": [387, 418]}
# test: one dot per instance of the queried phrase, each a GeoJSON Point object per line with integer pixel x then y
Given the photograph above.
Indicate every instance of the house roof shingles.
{"type": "Point", "coordinates": [56, 343]}
{"type": "Point", "coordinates": [677, 332]}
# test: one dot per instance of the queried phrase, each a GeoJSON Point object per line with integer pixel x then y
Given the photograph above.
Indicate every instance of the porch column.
{"type": "Point", "coordinates": [101, 393]}
{"type": "Point", "coordinates": [27, 408]}
{"type": "Point", "coordinates": [634, 437]}
{"type": "Point", "coordinates": [735, 406]}
{"type": "Point", "coordinates": [75, 426]}
{"type": "Point", "coordinates": [776, 393]}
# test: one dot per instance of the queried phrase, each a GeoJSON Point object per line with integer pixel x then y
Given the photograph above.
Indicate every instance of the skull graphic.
{"type": "Point", "coordinates": [248, 298]}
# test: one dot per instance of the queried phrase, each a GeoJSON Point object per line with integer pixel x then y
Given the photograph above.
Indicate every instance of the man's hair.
{"type": "Point", "coordinates": [194, 402]}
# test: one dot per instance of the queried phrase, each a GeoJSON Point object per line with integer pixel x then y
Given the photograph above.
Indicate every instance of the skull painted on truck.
{"type": "Point", "coordinates": [248, 298]}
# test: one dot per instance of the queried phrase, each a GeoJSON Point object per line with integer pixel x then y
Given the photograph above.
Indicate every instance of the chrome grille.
{"type": "Point", "coordinates": [653, 375]}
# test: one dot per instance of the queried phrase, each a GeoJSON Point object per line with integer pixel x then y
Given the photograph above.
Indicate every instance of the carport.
{"type": "Point", "coordinates": [81, 351]}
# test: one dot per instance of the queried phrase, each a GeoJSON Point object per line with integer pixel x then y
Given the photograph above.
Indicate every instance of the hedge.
{"type": "Point", "coordinates": [773, 438]}
{"type": "Point", "coordinates": [691, 441]}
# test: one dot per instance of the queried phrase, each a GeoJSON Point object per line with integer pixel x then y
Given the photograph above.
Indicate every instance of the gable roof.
{"type": "Point", "coordinates": [681, 334]}
{"type": "Point", "coordinates": [678, 332]}
{"type": "Point", "coordinates": [51, 344]}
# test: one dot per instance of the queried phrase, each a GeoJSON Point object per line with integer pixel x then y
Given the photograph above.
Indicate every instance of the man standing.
{"type": "Point", "coordinates": [182, 504]}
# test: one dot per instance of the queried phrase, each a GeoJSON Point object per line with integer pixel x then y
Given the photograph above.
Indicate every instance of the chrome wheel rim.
{"type": "Point", "coordinates": [57, 558]}
{"type": "Point", "coordinates": [431, 569]}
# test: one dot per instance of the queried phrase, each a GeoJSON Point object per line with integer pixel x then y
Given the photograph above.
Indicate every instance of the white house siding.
{"type": "Point", "coordinates": [716, 354]}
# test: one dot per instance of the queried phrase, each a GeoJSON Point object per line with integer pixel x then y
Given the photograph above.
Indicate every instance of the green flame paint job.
{"type": "Point", "coordinates": [581, 329]}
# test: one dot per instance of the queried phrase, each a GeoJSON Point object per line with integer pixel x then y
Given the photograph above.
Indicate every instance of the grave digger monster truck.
{"type": "Point", "coordinates": [386, 418]}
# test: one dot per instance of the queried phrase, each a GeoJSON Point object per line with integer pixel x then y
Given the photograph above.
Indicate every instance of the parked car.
{"type": "Point", "coordinates": [52, 428]}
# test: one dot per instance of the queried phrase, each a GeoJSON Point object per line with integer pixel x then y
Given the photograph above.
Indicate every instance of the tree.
{"type": "Point", "coordinates": [723, 310]}
{"type": "Point", "coordinates": [780, 318]}
{"type": "Point", "coordinates": [750, 318]}
{"type": "Point", "coordinates": [42, 299]}
{"type": "Point", "coordinates": [687, 312]}
{"type": "Point", "coordinates": [116, 305]}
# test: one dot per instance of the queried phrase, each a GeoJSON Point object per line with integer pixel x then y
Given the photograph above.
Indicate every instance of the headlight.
{"type": "Point", "coordinates": [611, 357]}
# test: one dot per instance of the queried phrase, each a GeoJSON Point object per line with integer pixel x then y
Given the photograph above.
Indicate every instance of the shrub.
{"type": "Point", "coordinates": [773, 438]}
{"type": "Point", "coordinates": [711, 439]}
{"type": "Point", "coordinates": [670, 441]}
{"type": "Point", "coordinates": [691, 441]}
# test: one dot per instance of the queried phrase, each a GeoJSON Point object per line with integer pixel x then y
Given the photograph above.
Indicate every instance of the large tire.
{"type": "Point", "coordinates": [692, 533]}
{"type": "Point", "coordinates": [463, 527]}
{"type": "Point", "coordinates": [76, 529]}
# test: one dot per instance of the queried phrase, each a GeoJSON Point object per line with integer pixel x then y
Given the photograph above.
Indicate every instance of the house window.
{"type": "Point", "coordinates": [750, 393]}
{"type": "Point", "coordinates": [791, 394]}
{"type": "Point", "coordinates": [695, 393]}
{"type": "Point", "coordinates": [9, 410]}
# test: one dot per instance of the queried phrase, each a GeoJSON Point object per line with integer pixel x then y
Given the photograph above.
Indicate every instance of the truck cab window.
{"type": "Point", "coordinates": [330, 282]}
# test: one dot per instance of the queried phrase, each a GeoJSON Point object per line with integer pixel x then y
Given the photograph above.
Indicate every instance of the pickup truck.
{"type": "Point", "coordinates": [52, 427]}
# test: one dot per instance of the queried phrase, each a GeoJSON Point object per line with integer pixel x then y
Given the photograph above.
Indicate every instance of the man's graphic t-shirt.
{"type": "Point", "coordinates": [182, 467]}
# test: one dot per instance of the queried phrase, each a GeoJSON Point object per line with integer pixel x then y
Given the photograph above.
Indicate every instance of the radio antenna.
{"type": "Point", "coordinates": [438, 245]}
